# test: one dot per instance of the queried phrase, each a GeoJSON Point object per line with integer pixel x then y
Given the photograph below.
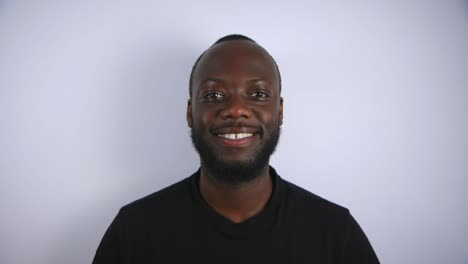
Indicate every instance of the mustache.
{"type": "Point", "coordinates": [236, 126]}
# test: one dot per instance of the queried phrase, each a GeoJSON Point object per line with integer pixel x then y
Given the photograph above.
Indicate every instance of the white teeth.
{"type": "Point", "coordinates": [236, 135]}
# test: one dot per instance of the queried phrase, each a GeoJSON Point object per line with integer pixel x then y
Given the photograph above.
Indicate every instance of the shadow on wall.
{"type": "Point", "coordinates": [150, 141]}
{"type": "Point", "coordinates": [3, 5]}
{"type": "Point", "coordinates": [151, 131]}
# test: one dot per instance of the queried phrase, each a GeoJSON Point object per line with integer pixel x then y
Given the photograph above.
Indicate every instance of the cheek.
{"type": "Point", "coordinates": [268, 116]}
{"type": "Point", "coordinates": [203, 119]}
{"type": "Point", "coordinates": [273, 121]}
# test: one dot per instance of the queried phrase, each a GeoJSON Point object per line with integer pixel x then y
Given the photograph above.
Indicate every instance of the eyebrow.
{"type": "Point", "coordinates": [212, 79]}
{"type": "Point", "coordinates": [257, 80]}
{"type": "Point", "coordinates": [218, 80]}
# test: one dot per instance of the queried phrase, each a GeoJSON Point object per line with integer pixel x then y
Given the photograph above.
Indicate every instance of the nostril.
{"type": "Point", "coordinates": [236, 111]}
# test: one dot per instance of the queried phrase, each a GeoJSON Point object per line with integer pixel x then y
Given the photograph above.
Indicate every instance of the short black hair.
{"type": "Point", "coordinates": [223, 39]}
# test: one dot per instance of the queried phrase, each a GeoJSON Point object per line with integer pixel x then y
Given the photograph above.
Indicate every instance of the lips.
{"type": "Point", "coordinates": [235, 130]}
{"type": "Point", "coordinates": [236, 136]}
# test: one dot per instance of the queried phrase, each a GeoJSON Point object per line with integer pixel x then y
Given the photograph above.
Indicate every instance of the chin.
{"type": "Point", "coordinates": [234, 172]}
{"type": "Point", "coordinates": [231, 167]}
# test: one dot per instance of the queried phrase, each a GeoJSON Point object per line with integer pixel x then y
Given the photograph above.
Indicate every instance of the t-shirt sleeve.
{"type": "Point", "coordinates": [357, 248]}
{"type": "Point", "coordinates": [110, 249]}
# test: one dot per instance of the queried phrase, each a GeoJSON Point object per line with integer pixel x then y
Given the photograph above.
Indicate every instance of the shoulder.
{"type": "Point", "coordinates": [162, 202]}
{"type": "Point", "coordinates": [311, 206]}
{"type": "Point", "coordinates": [310, 215]}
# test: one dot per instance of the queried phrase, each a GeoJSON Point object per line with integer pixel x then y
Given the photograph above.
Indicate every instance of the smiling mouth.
{"type": "Point", "coordinates": [235, 136]}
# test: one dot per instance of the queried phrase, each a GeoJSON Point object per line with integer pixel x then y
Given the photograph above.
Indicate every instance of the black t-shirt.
{"type": "Point", "coordinates": [175, 225]}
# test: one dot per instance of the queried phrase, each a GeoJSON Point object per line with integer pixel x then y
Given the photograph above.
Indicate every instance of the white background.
{"type": "Point", "coordinates": [92, 113]}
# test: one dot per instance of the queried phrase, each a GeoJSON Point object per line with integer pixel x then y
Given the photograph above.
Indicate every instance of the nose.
{"type": "Point", "coordinates": [236, 107]}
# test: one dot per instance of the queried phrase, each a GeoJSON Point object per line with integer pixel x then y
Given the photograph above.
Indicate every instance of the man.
{"type": "Point", "coordinates": [235, 208]}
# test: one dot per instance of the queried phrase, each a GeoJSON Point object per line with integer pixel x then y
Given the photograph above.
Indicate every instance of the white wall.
{"type": "Point", "coordinates": [92, 114]}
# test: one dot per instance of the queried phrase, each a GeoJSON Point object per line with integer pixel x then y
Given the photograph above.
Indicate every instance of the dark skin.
{"type": "Point", "coordinates": [235, 90]}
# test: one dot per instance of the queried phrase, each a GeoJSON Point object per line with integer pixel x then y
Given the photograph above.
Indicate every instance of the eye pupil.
{"type": "Point", "coordinates": [260, 94]}
{"type": "Point", "coordinates": [214, 95]}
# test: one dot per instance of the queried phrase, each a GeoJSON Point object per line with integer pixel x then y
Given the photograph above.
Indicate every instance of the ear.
{"type": "Point", "coordinates": [189, 113]}
{"type": "Point", "coordinates": [281, 111]}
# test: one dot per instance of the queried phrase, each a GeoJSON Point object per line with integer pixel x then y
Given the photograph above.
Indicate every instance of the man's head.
{"type": "Point", "coordinates": [223, 39]}
{"type": "Point", "coordinates": [235, 109]}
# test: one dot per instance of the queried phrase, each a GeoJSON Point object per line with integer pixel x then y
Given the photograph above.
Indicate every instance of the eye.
{"type": "Point", "coordinates": [213, 95]}
{"type": "Point", "coordinates": [260, 95]}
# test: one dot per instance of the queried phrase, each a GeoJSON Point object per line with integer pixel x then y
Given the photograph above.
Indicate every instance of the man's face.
{"type": "Point", "coordinates": [235, 110]}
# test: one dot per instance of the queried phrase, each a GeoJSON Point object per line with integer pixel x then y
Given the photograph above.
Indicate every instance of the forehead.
{"type": "Point", "coordinates": [236, 58]}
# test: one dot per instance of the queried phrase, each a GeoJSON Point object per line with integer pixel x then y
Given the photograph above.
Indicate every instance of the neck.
{"type": "Point", "coordinates": [237, 202]}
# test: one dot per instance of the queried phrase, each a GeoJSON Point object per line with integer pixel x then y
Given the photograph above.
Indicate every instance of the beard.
{"type": "Point", "coordinates": [235, 172]}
